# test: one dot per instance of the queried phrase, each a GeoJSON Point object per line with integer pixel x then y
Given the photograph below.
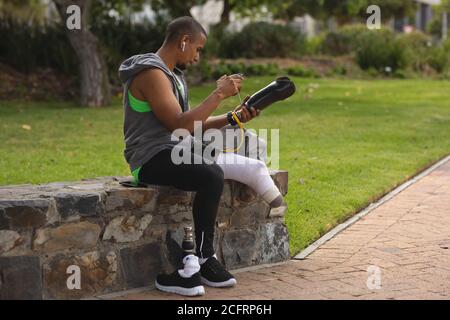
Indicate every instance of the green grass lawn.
{"type": "Point", "coordinates": [345, 143]}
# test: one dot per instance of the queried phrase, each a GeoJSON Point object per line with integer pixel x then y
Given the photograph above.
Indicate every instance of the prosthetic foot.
{"type": "Point", "coordinates": [278, 207]}
{"type": "Point", "coordinates": [186, 281]}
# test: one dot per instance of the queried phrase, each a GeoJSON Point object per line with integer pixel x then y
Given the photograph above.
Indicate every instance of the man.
{"type": "Point", "coordinates": [156, 104]}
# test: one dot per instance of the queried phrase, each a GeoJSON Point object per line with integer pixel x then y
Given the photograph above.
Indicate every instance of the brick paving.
{"type": "Point", "coordinates": [406, 240]}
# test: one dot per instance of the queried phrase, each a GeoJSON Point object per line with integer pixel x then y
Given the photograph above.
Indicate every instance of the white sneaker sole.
{"type": "Point", "coordinates": [195, 291]}
{"type": "Point", "coordinates": [229, 283]}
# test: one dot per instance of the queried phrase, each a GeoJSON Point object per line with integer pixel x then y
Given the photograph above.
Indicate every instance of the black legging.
{"type": "Point", "coordinates": [205, 179]}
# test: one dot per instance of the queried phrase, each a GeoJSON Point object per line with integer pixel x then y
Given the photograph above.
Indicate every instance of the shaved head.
{"type": "Point", "coordinates": [184, 26]}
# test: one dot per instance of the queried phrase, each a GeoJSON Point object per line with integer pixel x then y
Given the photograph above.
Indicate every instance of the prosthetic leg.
{"type": "Point", "coordinates": [189, 259]}
{"type": "Point", "coordinates": [252, 172]}
{"type": "Point", "coordinates": [280, 89]}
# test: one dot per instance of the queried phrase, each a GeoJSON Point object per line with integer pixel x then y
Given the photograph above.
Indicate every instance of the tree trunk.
{"type": "Point", "coordinates": [225, 16]}
{"type": "Point", "coordinates": [219, 27]}
{"type": "Point", "coordinates": [444, 26]}
{"type": "Point", "coordinates": [95, 88]}
{"type": "Point", "coordinates": [179, 8]}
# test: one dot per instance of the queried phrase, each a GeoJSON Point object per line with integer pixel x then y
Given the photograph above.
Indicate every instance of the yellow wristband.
{"type": "Point", "coordinates": [239, 123]}
{"type": "Point", "coordinates": [236, 118]}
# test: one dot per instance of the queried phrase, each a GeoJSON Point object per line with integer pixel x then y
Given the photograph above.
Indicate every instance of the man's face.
{"type": "Point", "coordinates": [192, 50]}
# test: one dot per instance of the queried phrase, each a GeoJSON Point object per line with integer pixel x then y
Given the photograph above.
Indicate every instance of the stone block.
{"type": "Point", "coordinates": [242, 195]}
{"type": "Point", "coordinates": [26, 213]}
{"type": "Point", "coordinates": [274, 239]}
{"type": "Point", "coordinates": [224, 217]}
{"type": "Point", "coordinates": [97, 273]}
{"type": "Point", "coordinates": [20, 246]}
{"type": "Point", "coordinates": [9, 240]}
{"type": "Point", "coordinates": [226, 200]}
{"type": "Point", "coordinates": [240, 248]}
{"type": "Point", "coordinates": [170, 196]}
{"type": "Point", "coordinates": [79, 204]}
{"type": "Point", "coordinates": [127, 228]}
{"type": "Point", "coordinates": [173, 252]}
{"type": "Point", "coordinates": [177, 214]}
{"type": "Point", "coordinates": [80, 235]}
{"type": "Point", "coordinates": [141, 265]}
{"type": "Point", "coordinates": [20, 278]}
{"type": "Point", "coordinates": [250, 215]}
{"type": "Point", "coordinates": [128, 199]}
{"type": "Point", "coordinates": [4, 220]}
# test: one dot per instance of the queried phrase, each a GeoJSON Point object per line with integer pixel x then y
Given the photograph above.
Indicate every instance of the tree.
{"type": "Point", "coordinates": [346, 10]}
{"type": "Point", "coordinates": [394, 8]}
{"type": "Point", "coordinates": [245, 8]}
{"type": "Point", "coordinates": [100, 10]}
{"type": "Point", "coordinates": [439, 25]}
{"type": "Point", "coordinates": [445, 14]}
{"type": "Point", "coordinates": [175, 8]}
{"type": "Point", "coordinates": [94, 82]}
{"type": "Point", "coordinates": [23, 10]}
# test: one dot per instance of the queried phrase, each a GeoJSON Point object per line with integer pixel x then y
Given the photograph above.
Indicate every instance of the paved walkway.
{"type": "Point", "coordinates": [400, 250]}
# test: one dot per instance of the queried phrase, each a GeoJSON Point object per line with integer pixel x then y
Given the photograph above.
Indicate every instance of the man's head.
{"type": "Point", "coordinates": [188, 37]}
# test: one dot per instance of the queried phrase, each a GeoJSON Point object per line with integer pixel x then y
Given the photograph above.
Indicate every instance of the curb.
{"type": "Point", "coordinates": [341, 227]}
{"type": "Point", "coordinates": [122, 293]}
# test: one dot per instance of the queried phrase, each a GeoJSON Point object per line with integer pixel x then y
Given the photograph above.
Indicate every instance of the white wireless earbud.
{"type": "Point", "coordinates": [184, 45]}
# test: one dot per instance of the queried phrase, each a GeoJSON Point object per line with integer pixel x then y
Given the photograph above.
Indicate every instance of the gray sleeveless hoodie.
{"type": "Point", "coordinates": [144, 134]}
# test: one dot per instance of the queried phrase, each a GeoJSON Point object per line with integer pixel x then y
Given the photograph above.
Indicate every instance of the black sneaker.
{"type": "Point", "coordinates": [214, 274]}
{"type": "Point", "coordinates": [175, 283]}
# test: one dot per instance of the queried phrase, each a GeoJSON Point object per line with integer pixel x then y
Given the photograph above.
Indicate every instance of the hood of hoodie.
{"type": "Point", "coordinates": [135, 64]}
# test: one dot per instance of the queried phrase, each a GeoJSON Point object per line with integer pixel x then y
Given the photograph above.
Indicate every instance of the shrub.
{"type": "Point", "coordinates": [344, 40]}
{"type": "Point", "coordinates": [434, 27]}
{"type": "Point", "coordinates": [120, 39]}
{"type": "Point", "coordinates": [400, 74]}
{"type": "Point", "coordinates": [206, 72]}
{"type": "Point", "coordinates": [438, 59]}
{"type": "Point", "coordinates": [380, 50]}
{"type": "Point", "coordinates": [339, 70]}
{"type": "Point", "coordinates": [416, 45]}
{"type": "Point", "coordinates": [422, 53]}
{"type": "Point", "coordinates": [29, 46]}
{"type": "Point", "coordinates": [221, 68]}
{"type": "Point", "coordinates": [216, 36]}
{"type": "Point", "coordinates": [199, 73]}
{"type": "Point", "coordinates": [262, 39]}
{"type": "Point", "coordinates": [314, 44]}
{"type": "Point", "coordinates": [299, 71]}
{"type": "Point", "coordinates": [446, 46]}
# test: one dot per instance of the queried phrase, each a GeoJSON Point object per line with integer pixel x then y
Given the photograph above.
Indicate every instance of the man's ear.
{"type": "Point", "coordinates": [185, 39]}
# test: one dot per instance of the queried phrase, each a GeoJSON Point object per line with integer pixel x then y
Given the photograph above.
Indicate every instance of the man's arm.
{"type": "Point", "coordinates": [153, 86]}
{"type": "Point", "coordinates": [218, 122]}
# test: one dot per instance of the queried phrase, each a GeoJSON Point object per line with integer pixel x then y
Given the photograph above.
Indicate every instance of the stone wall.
{"type": "Point", "coordinates": [120, 238]}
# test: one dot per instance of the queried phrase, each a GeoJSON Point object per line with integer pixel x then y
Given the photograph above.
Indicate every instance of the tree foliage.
{"type": "Point", "coordinates": [175, 8]}
{"type": "Point", "coordinates": [101, 9]}
{"type": "Point", "coordinates": [23, 10]}
{"type": "Point", "coordinates": [344, 10]}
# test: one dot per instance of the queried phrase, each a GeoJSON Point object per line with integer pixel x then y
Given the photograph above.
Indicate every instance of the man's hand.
{"type": "Point", "coordinates": [228, 86]}
{"type": "Point", "coordinates": [246, 114]}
